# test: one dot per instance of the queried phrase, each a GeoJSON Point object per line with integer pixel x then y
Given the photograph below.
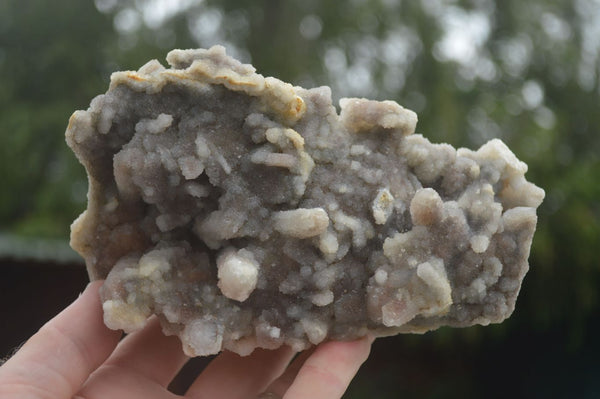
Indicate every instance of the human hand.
{"type": "Point", "coordinates": [76, 356]}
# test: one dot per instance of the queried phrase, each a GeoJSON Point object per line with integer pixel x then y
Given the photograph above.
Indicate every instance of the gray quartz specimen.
{"type": "Point", "coordinates": [245, 212]}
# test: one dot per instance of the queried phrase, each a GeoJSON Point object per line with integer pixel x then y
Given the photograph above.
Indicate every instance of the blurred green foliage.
{"type": "Point", "coordinates": [51, 62]}
{"type": "Point", "coordinates": [526, 72]}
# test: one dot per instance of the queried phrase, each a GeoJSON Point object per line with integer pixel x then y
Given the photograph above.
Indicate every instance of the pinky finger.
{"type": "Point", "coordinates": [327, 373]}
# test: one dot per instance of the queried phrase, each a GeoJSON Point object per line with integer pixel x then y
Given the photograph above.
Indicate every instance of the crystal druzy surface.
{"type": "Point", "coordinates": [245, 212]}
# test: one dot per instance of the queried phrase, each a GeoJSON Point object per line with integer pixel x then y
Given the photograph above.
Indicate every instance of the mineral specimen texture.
{"type": "Point", "coordinates": [245, 212]}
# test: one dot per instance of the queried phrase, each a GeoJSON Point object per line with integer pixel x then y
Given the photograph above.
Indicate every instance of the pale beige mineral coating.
{"type": "Point", "coordinates": [245, 212]}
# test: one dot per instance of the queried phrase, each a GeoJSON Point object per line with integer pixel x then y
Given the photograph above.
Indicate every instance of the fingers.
{"type": "Point", "coordinates": [232, 376]}
{"type": "Point", "coordinates": [62, 354]}
{"type": "Point", "coordinates": [113, 382]}
{"type": "Point", "coordinates": [327, 373]}
{"type": "Point", "coordinates": [149, 353]}
{"type": "Point", "coordinates": [283, 382]}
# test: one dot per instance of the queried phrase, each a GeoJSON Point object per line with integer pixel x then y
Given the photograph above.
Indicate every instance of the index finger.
{"type": "Point", "coordinates": [327, 372]}
{"type": "Point", "coordinates": [56, 361]}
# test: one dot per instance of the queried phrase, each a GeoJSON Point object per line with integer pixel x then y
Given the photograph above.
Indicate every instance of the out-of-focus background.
{"type": "Point", "coordinates": [527, 72]}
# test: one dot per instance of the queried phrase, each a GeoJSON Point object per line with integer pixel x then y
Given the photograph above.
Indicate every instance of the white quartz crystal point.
{"type": "Point", "coordinates": [426, 207]}
{"type": "Point", "coordinates": [237, 273]}
{"type": "Point", "coordinates": [120, 315]}
{"type": "Point", "coordinates": [428, 294]}
{"type": "Point", "coordinates": [515, 191]}
{"type": "Point", "coordinates": [437, 287]}
{"type": "Point", "coordinates": [361, 115]}
{"type": "Point", "coordinates": [202, 337]}
{"type": "Point", "coordinates": [382, 206]}
{"type": "Point", "coordinates": [301, 223]}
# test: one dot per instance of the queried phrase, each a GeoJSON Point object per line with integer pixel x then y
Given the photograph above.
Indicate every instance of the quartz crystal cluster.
{"type": "Point", "coordinates": [244, 212]}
